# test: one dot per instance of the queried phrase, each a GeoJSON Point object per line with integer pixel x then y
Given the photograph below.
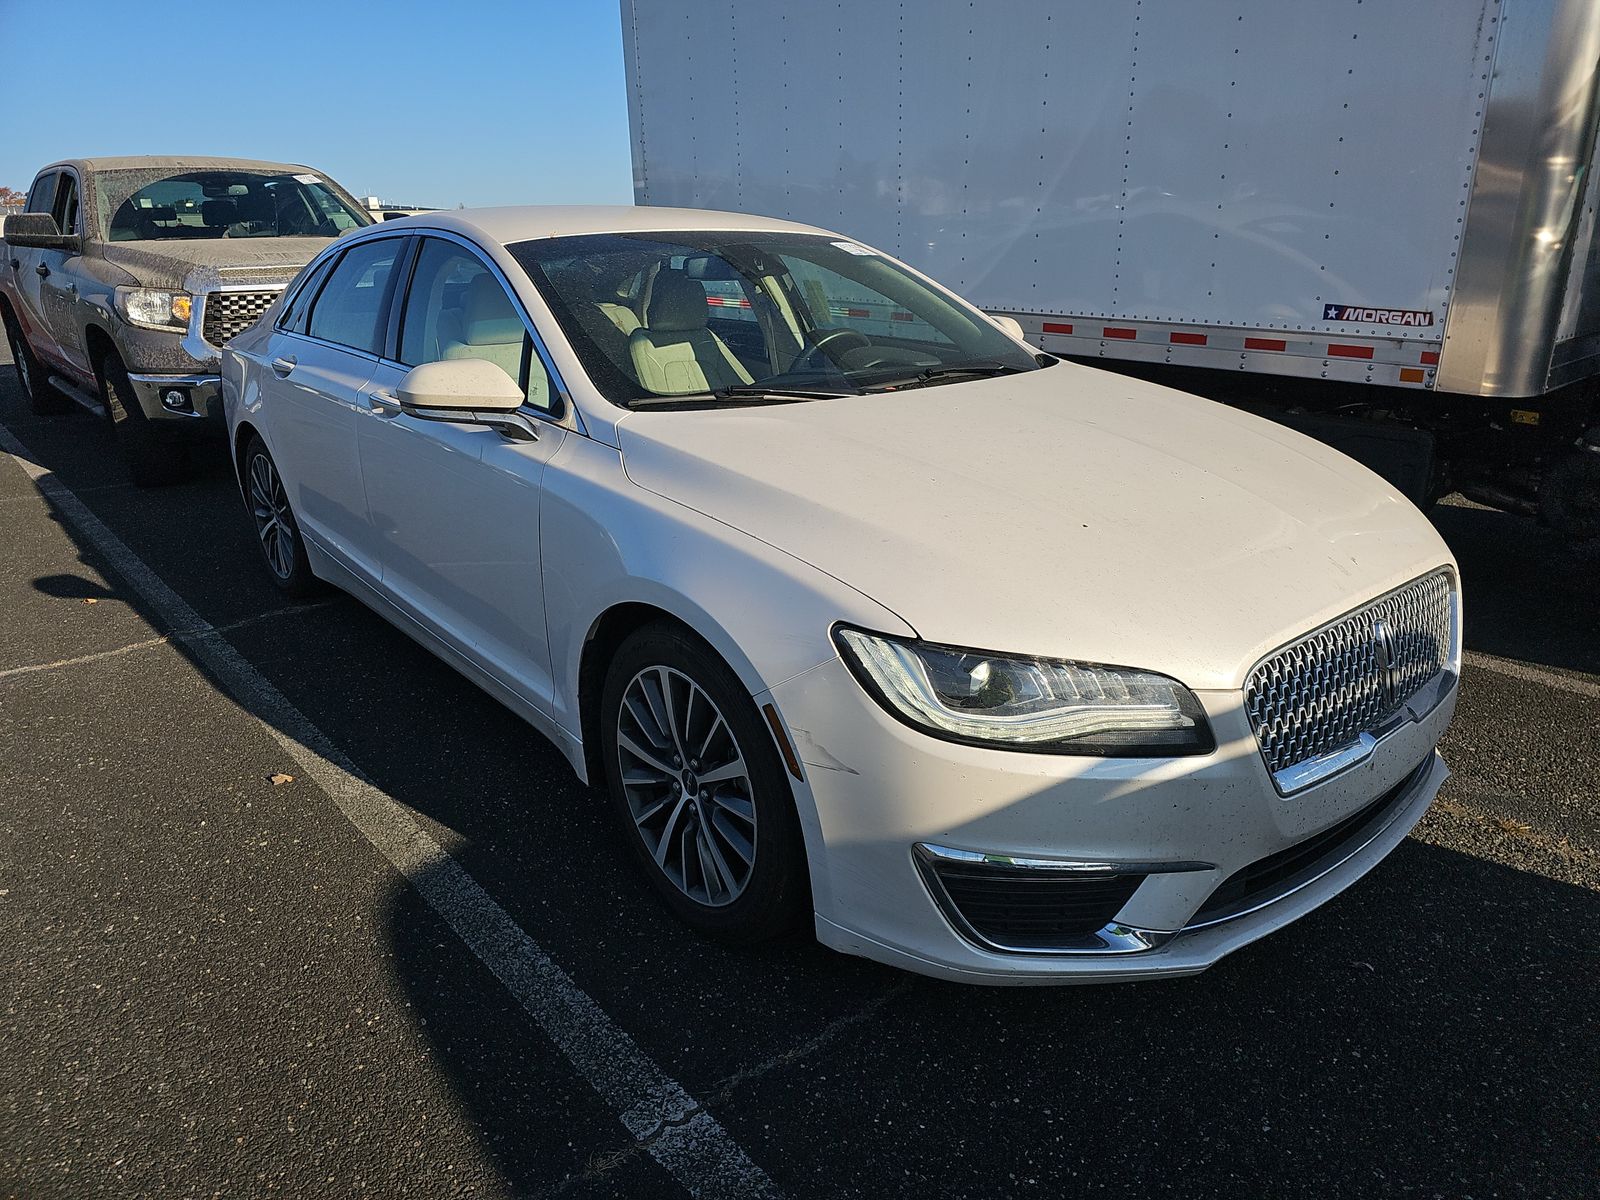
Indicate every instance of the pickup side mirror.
{"type": "Point", "coordinates": [38, 231]}
{"type": "Point", "coordinates": [470, 391]}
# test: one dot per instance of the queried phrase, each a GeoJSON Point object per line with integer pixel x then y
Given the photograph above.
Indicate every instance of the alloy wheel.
{"type": "Point", "coordinates": [270, 507]}
{"type": "Point", "coordinates": [687, 785]}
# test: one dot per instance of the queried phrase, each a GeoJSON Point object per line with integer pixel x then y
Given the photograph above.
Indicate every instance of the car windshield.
{"type": "Point", "coordinates": [664, 318]}
{"type": "Point", "coordinates": [142, 206]}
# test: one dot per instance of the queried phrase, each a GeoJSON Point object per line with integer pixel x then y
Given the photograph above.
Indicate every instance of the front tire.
{"type": "Point", "coordinates": [277, 532]}
{"type": "Point", "coordinates": [696, 782]}
{"type": "Point", "coordinates": [43, 399]}
{"type": "Point", "coordinates": [152, 460]}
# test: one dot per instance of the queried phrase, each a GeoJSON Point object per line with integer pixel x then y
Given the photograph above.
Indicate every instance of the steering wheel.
{"type": "Point", "coordinates": [808, 358]}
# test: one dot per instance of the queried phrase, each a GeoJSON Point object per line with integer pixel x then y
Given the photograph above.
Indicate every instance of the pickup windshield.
{"type": "Point", "coordinates": [143, 206]}
{"type": "Point", "coordinates": [659, 318]}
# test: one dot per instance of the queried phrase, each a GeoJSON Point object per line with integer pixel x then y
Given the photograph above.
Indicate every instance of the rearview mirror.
{"type": "Point", "coordinates": [38, 231]}
{"type": "Point", "coordinates": [469, 391]}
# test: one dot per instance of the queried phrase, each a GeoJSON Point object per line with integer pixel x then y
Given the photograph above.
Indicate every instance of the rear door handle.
{"type": "Point", "coordinates": [282, 366]}
{"type": "Point", "coordinates": [41, 270]}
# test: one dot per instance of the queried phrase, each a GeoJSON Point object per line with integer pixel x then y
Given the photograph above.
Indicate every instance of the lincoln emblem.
{"type": "Point", "coordinates": [1388, 656]}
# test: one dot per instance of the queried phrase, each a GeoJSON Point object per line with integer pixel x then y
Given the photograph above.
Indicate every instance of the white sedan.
{"type": "Point", "coordinates": [859, 608]}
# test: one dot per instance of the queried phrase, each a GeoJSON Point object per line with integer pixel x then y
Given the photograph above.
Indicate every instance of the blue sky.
{"type": "Point", "coordinates": [452, 102]}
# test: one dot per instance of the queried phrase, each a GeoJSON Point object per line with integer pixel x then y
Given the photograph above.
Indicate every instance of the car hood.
{"type": "Point", "coordinates": [1067, 512]}
{"type": "Point", "coordinates": [204, 264]}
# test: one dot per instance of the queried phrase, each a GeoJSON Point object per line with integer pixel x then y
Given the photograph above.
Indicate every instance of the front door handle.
{"type": "Point", "coordinates": [16, 264]}
{"type": "Point", "coordinates": [383, 404]}
{"type": "Point", "coordinates": [282, 366]}
{"type": "Point", "coordinates": [41, 270]}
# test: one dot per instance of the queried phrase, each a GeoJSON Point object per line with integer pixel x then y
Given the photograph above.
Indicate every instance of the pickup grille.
{"type": "Point", "coordinates": [1322, 692]}
{"type": "Point", "coordinates": [228, 314]}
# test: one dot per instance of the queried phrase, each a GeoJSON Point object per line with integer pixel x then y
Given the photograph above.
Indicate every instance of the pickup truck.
{"type": "Point", "coordinates": [124, 277]}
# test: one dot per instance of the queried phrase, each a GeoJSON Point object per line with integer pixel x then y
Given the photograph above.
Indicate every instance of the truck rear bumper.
{"type": "Point", "coordinates": [181, 403]}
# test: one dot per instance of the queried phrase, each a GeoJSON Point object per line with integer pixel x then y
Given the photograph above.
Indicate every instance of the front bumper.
{"type": "Point", "coordinates": [199, 407]}
{"type": "Point", "coordinates": [875, 790]}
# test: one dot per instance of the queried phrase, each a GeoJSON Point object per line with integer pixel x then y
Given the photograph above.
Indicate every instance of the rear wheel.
{"type": "Point", "coordinates": [277, 533]}
{"type": "Point", "coordinates": [43, 399]}
{"type": "Point", "coordinates": [152, 460]}
{"type": "Point", "coordinates": [696, 781]}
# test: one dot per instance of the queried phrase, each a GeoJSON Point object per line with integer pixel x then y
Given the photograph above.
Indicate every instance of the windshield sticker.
{"type": "Point", "coordinates": [1377, 316]}
{"type": "Point", "coordinates": [308, 179]}
{"type": "Point", "coordinates": [854, 248]}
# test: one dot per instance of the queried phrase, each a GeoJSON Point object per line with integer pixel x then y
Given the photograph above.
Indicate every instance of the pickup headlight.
{"type": "Point", "coordinates": [151, 308]}
{"type": "Point", "coordinates": [1033, 704]}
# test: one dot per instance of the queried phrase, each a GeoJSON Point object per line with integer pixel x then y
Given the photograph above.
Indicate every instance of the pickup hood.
{"type": "Point", "coordinates": [1066, 512]}
{"type": "Point", "coordinates": [201, 265]}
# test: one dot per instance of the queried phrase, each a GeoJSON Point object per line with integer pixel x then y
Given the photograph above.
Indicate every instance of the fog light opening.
{"type": "Point", "coordinates": [177, 400]}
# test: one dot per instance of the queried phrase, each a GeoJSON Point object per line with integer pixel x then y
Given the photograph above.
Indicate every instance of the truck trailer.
{"type": "Point", "coordinates": [1373, 221]}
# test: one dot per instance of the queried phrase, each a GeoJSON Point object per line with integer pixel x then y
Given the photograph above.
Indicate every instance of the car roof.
{"type": "Point", "coordinates": [527, 222]}
{"type": "Point", "coordinates": [162, 162]}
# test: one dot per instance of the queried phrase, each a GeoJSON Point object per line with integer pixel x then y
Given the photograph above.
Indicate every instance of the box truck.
{"type": "Point", "coordinates": [1374, 221]}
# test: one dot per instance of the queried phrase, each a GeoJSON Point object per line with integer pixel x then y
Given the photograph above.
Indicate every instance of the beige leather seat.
{"type": "Point", "coordinates": [673, 352]}
{"type": "Point", "coordinates": [490, 328]}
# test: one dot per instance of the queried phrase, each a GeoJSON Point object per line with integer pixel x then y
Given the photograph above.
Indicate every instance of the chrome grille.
{"type": "Point", "coordinates": [1322, 692]}
{"type": "Point", "coordinates": [228, 314]}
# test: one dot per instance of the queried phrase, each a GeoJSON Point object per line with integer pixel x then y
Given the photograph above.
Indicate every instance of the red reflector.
{"type": "Point", "coordinates": [1265, 344]}
{"type": "Point", "coordinates": [1430, 358]}
{"type": "Point", "coordinates": [1335, 350]}
{"type": "Point", "coordinates": [857, 312]}
{"type": "Point", "coordinates": [1187, 339]}
{"type": "Point", "coordinates": [1056, 327]}
{"type": "Point", "coordinates": [1125, 334]}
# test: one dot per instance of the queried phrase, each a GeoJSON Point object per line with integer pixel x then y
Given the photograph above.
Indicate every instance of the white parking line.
{"type": "Point", "coordinates": [662, 1117]}
{"type": "Point", "coordinates": [1516, 670]}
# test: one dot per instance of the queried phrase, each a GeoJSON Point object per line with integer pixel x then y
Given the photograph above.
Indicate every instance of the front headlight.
{"type": "Point", "coordinates": [1033, 704]}
{"type": "Point", "coordinates": [155, 309]}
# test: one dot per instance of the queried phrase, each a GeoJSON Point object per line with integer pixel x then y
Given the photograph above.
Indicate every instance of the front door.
{"type": "Point", "coordinates": [455, 507]}
{"type": "Point", "coordinates": [58, 281]}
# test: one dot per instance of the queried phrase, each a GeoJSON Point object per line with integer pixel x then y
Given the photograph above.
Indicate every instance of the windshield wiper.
{"type": "Point", "coordinates": [757, 392]}
{"type": "Point", "coordinates": [948, 371]}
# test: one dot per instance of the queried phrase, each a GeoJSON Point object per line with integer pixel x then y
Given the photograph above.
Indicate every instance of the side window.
{"type": "Point", "coordinates": [42, 195]}
{"type": "Point", "coordinates": [456, 308]}
{"type": "Point", "coordinates": [844, 303]}
{"type": "Point", "coordinates": [65, 208]}
{"type": "Point", "coordinates": [353, 304]}
{"type": "Point", "coordinates": [294, 315]}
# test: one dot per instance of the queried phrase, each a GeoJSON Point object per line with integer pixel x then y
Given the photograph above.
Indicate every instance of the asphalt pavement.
{"type": "Point", "coordinates": [215, 984]}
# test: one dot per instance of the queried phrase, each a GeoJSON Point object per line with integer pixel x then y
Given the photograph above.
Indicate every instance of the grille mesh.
{"type": "Point", "coordinates": [1320, 693]}
{"type": "Point", "coordinates": [229, 314]}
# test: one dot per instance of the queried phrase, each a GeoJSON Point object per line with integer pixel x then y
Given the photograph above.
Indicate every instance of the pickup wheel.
{"type": "Point", "coordinates": [152, 460]}
{"type": "Point", "coordinates": [277, 533]}
{"type": "Point", "coordinates": [43, 399]}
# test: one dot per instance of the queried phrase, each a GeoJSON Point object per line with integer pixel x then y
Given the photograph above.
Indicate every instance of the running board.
{"type": "Point", "coordinates": [78, 396]}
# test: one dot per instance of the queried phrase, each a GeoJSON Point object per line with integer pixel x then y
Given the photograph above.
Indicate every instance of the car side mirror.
{"type": "Point", "coordinates": [469, 391]}
{"type": "Point", "coordinates": [38, 231]}
{"type": "Point", "coordinates": [1012, 326]}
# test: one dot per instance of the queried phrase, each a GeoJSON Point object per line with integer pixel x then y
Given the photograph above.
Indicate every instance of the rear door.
{"type": "Point", "coordinates": [316, 366]}
{"type": "Point", "coordinates": [24, 263]}
{"type": "Point", "coordinates": [455, 507]}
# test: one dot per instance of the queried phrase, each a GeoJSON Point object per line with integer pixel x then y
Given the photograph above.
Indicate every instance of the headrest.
{"type": "Point", "coordinates": [159, 212]}
{"type": "Point", "coordinates": [491, 319]}
{"type": "Point", "coordinates": [676, 303]}
{"type": "Point", "coordinates": [216, 213]}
